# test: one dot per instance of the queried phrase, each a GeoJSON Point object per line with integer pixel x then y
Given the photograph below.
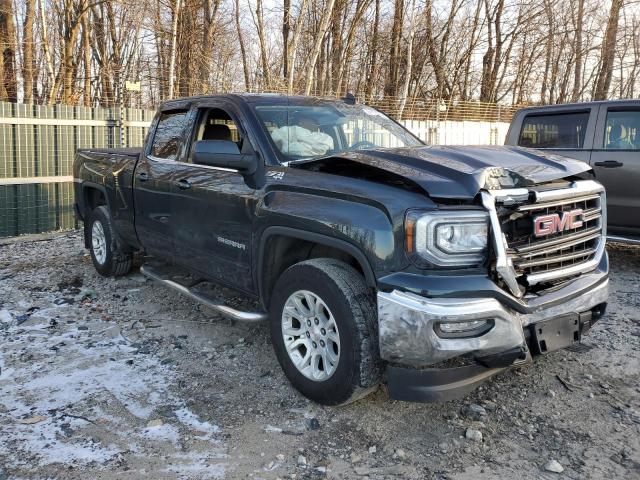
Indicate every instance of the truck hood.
{"type": "Point", "coordinates": [455, 172]}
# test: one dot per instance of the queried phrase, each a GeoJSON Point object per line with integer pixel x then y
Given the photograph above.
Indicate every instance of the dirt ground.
{"type": "Point", "coordinates": [123, 379]}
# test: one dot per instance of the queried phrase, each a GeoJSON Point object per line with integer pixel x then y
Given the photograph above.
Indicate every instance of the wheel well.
{"type": "Point", "coordinates": [93, 198]}
{"type": "Point", "coordinates": [281, 252]}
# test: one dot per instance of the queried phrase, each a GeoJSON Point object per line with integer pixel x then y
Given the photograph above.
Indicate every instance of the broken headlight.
{"type": "Point", "coordinates": [447, 238]}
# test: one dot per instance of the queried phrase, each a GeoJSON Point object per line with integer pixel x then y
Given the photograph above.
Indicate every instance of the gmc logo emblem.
{"type": "Point", "coordinates": [557, 222]}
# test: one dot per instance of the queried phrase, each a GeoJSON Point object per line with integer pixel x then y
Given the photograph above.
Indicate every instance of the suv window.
{"type": "Point", "coordinates": [168, 135]}
{"type": "Point", "coordinates": [558, 130]}
{"type": "Point", "coordinates": [622, 130]}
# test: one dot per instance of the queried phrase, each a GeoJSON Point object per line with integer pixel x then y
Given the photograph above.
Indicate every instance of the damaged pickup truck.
{"type": "Point", "coordinates": [372, 256]}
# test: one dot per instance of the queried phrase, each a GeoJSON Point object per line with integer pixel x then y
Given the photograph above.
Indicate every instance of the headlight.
{"type": "Point", "coordinates": [443, 238]}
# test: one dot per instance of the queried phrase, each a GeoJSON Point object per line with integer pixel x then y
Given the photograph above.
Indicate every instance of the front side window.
{"type": "Point", "coordinates": [622, 130]}
{"type": "Point", "coordinates": [168, 135]}
{"type": "Point", "coordinates": [558, 130]}
{"type": "Point", "coordinates": [308, 131]}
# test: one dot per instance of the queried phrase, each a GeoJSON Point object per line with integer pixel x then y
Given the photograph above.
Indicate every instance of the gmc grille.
{"type": "Point", "coordinates": [559, 256]}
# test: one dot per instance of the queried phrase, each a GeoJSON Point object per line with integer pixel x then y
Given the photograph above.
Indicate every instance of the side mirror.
{"type": "Point", "coordinates": [226, 154]}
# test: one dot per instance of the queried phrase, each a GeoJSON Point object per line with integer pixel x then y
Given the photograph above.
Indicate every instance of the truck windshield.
{"type": "Point", "coordinates": [309, 131]}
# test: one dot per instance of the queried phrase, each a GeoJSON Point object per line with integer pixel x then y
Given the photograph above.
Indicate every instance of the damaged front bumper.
{"type": "Point", "coordinates": [411, 334]}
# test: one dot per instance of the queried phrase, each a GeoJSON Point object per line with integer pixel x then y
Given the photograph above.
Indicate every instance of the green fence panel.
{"type": "Point", "coordinates": [40, 141]}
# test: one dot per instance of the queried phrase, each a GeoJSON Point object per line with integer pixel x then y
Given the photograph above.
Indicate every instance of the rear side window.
{"type": "Point", "coordinates": [168, 136]}
{"type": "Point", "coordinates": [560, 130]}
{"type": "Point", "coordinates": [622, 130]}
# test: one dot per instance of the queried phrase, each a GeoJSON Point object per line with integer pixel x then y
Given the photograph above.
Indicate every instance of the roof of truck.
{"type": "Point", "coordinates": [560, 106]}
{"type": "Point", "coordinates": [273, 98]}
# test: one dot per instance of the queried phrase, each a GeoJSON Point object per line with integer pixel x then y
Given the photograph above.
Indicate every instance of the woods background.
{"type": "Point", "coordinates": [82, 52]}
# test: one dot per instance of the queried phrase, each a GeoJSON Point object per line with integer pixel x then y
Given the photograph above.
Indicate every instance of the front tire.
{"type": "Point", "coordinates": [324, 331]}
{"type": "Point", "coordinates": [110, 258]}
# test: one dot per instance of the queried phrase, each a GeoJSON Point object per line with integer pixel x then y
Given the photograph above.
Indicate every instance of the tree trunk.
{"type": "Point", "coordinates": [172, 52]}
{"type": "Point", "coordinates": [577, 69]}
{"type": "Point", "coordinates": [322, 30]}
{"type": "Point", "coordinates": [608, 51]}
{"type": "Point", "coordinates": [9, 81]}
{"type": "Point", "coordinates": [28, 61]}
{"type": "Point", "coordinates": [373, 68]}
{"type": "Point", "coordinates": [86, 49]}
{"type": "Point", "coordinates": [294, 45]}
{"type": "Point", "coordinates": [263, 46]}
{"type": "Point", "coordinates": [391, 85]}
{"type": "Point", "coordinates": [243, 51]}
{"type": "Point", "coordinates": [286, 28]}
{"type": "Point", "coordinates": [409, 65]}
{"type": "Point", "coordinates": [211, 8]}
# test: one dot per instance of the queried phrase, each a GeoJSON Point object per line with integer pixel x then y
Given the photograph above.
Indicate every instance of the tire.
{"type": "Point", "coordinates": [110, 258]}
{"type": "Point", "coordinates": [352, 306]}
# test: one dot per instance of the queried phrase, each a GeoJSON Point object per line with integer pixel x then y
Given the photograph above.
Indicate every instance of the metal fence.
{"type": "Point", "coordinates": [37, 149]}
{"type": "Point", "coordinates": [38, 144]}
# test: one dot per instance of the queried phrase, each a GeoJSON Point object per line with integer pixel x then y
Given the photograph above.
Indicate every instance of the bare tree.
{"type": "Point", "coordinates": [605, 72]}
{"type": "Point", "coordinates": [322, 31]}
{"type": "Point", "coordinates": [28, 58]}
{"type": "Point", "coordinates": [8, 77]}
{"type": "Point", "coordinates": [173, 51]}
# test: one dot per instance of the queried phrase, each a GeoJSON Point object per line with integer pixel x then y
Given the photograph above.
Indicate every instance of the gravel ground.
{"type": "Point", "coordinates": [104, 378]}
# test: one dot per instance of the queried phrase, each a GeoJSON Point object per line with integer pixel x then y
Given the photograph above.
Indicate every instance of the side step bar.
{"type": "Point", "coordinates": [213, 304]}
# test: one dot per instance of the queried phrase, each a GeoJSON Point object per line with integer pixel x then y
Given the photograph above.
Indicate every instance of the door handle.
{"type": "Point", "coordinates": [609, 164]}
{"type": "Point", "coordinates": [143, 176]}
{"type": "Point", "coordinates": [183, 184]}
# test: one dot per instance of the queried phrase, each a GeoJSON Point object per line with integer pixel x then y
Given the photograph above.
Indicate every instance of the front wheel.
{"type": "Point", "coordinates": [109, 257]}
{"type": "Point", "coordinates": [323, 328]}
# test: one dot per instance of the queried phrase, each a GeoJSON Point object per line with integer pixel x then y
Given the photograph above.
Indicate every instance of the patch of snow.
{"type": "Point", "coordinates": [165, 433]}
{"type": "Point", "coordinates": [5, 316]}
{"type": "Point", "coordinates": [190, 419]}
{"type": "Point", "coordinates": [196, 465]}
{"type": "Point", "coordinates": [61, 373]}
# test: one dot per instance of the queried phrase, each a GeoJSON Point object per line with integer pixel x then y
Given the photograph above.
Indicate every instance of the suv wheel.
{"type": "Point", "coordinates": [109, 257]}
{"type": "Point", "coordinates": [324, 331]}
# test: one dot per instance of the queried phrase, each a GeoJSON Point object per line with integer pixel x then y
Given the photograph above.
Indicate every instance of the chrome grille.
{"type": "Point", "coordinates": [558, 256]}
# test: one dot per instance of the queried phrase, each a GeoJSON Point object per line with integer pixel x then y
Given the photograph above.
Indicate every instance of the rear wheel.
{"type": "Point", "coordinates": [110, 258]}
{"type": "Point", "coordinates": [323, 328]}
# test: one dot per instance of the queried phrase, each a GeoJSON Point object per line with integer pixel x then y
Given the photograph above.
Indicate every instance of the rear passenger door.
{"type": "Point", "coordinates": [564, 131]}
{"type": "Point", "coordinates": [152, 182]}
{"type": "Point", "coordinates": [616, 162]}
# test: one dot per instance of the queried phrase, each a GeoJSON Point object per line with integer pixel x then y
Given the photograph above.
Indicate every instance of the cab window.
{"type": "Point", "coordinates": [622, 130]}
{"type": "Point", "coordinates": [558, 130]}
{"type": "Point", "coordinates": [216, 124]}
{"type": "Point", "coordinates": [168, 135]}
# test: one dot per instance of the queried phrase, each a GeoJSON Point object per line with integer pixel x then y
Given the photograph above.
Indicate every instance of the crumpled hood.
{"type": "Point", "coordinates": [461, 172]}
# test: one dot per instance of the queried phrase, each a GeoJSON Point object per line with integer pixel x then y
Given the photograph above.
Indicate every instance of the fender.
{"type": "Point", "coordinates": [318, 238]}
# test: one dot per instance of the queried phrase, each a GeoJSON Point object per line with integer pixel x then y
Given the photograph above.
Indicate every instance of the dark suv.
{"type": "Point", "coordinates": [604, 134]}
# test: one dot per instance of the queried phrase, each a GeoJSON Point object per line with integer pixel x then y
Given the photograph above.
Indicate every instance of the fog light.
{"type": "Point", "coordinates": [460, 327]}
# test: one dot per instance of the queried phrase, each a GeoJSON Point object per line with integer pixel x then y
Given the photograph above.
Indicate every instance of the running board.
{"type": "Point", "coordinates": [212, 303]}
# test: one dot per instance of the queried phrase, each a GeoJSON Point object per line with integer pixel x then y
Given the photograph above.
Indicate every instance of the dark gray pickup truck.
{"type": "Point", "coordinates": [604, 134]}
{"type": "Point", "coordinates": [372, 256]}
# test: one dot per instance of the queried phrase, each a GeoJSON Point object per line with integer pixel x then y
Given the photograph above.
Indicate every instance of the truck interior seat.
{"type": "Point", "coordinates": [216, 131]}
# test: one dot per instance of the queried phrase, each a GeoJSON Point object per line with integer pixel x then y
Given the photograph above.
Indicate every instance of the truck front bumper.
{"type": "Point", "coordinates": [411, 334]}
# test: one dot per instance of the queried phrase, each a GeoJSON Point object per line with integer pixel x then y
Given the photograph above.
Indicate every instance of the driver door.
{"type": "Point", "coordinates": [213, 209]}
